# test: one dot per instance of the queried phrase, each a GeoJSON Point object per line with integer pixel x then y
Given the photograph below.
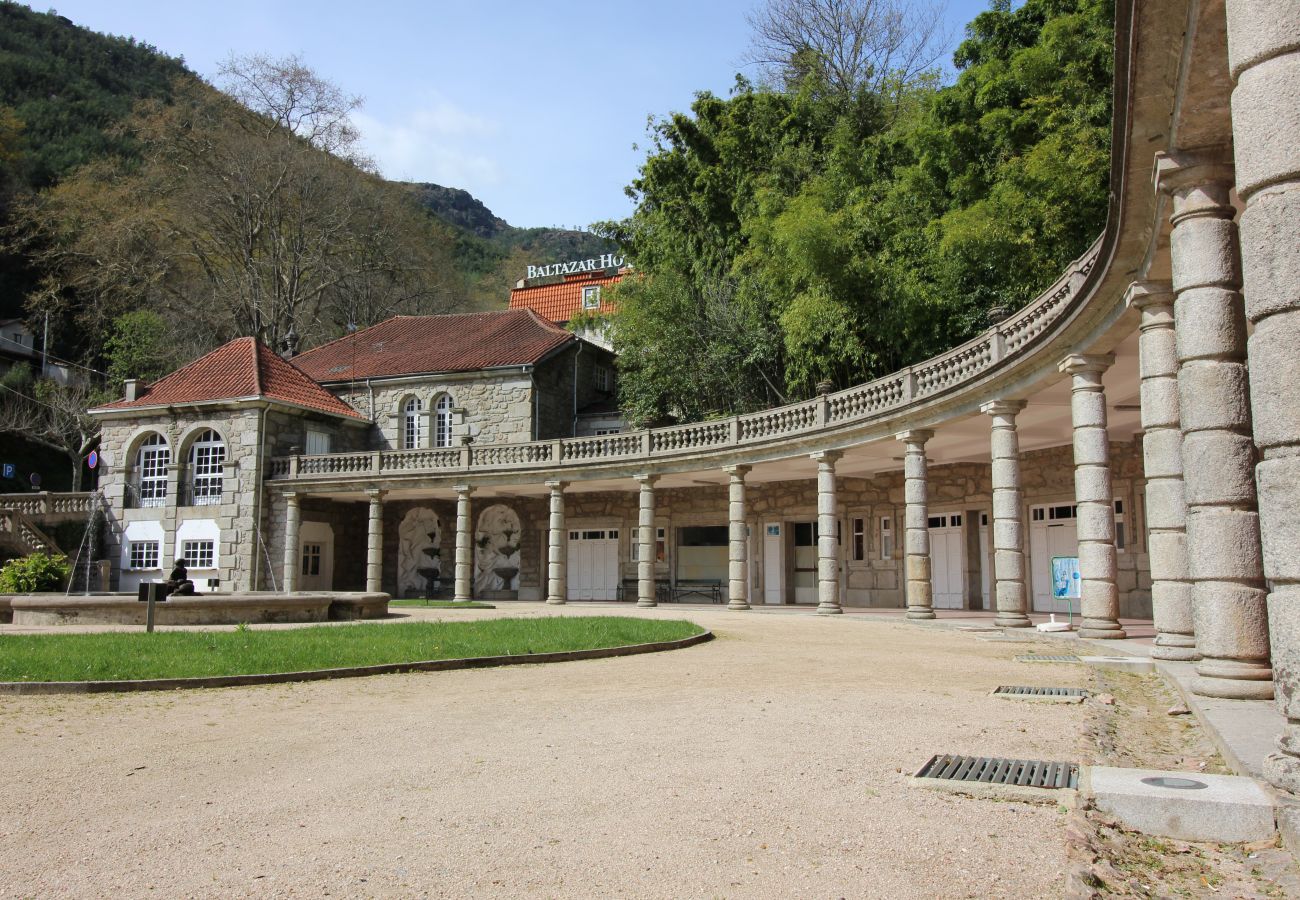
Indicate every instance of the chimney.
{"type": "Point", "coordinates": [132, 386]}
{"type": "Point", "coordinates": [289, 344]}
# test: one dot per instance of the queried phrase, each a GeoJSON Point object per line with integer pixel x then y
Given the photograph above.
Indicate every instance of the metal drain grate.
{"type": "Point", "coordinates": [1042, 657]}
{"type": "Point", "coordinates": [1015, 690]}
{"type": "Point", "coordinates": [991, 770]}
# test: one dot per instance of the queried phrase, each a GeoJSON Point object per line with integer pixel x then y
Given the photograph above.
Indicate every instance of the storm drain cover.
{"type": "Point", "coordinates": [1043, 657]}
{"type": "Point", "coordinates": [1016, 690]}
{"type": "Point", "coordinates": [993, 770]}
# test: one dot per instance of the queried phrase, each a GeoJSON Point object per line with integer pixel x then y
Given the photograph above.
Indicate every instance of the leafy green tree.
{"type": "Point", "coordinates": [139, 346]}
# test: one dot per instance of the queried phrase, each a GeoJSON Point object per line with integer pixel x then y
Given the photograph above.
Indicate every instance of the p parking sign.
{"type": "Point", "coordinates": [10, 470]}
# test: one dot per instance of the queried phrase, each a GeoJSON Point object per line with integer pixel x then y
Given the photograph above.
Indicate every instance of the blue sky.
{"type": "Point", "coordinates": [533, 107]}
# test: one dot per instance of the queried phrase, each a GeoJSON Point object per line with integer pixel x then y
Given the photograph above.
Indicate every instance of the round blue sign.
{"type": "Point", "coordinates": [93, 459]}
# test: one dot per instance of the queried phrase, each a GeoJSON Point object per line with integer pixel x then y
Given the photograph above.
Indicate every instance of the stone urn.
{"type": "Point", "coordinates": [997, 314]}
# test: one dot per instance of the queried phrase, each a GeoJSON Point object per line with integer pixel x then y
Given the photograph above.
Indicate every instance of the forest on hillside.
{"type": "Point", "coordinates": [846, 213]}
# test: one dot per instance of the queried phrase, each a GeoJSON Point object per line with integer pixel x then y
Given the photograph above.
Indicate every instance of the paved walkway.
{"type": "Point", "coordinates": [770, 762]}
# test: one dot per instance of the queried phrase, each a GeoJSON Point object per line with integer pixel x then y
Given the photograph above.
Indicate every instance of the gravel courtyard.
{"type": "Point", "coordinates": [770, 762]}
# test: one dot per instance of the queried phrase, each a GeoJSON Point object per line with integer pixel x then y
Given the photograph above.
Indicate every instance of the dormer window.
{"type": "Point", "coordinates": [591, 297]}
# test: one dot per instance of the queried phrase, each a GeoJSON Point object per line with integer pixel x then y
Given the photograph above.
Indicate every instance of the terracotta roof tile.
{"type": "Point", "coordinates": [418, 345]}
{"type": "Point", "coordinates": [243, 368]}
{"type": "Point", "coordinates": [561, 301]}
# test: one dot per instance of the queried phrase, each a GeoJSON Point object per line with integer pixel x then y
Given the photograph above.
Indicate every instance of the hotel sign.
{"type": "Point", "coordinates": [604, 261]}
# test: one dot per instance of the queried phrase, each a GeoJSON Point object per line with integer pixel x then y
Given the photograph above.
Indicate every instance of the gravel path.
{"type": "Point", "coordinates": [770, 762]}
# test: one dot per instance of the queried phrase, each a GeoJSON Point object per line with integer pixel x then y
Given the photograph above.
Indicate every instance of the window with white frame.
{"type": "Point", "coordinates": [661, 544]}
{"type": "Point", "coordinates": [600, 378]}
{"type": "Point", "coordinates": [317, 443]}
{"type": "Point", "coordinates": [442, 421]}
{"type": "Point", "coordinates": [143, 555]}
{"type": "Point", "coordinates": [591, 297]}
{"type": "Point", "coordinates": [601, 432]}
{"type": "Point", "coordinates": [151, 470]}
{"type": "Point", "coordinates": [199, 554]}
{"type": "Point", "coordinates": [886, 537]}
{"type": "Point", "coordinates": [311, 556]}
{"type": "Point", "coordinates": [859, 540]}
{"type": "Point", "coordinates": [413, 424]}
{"type": "Point", "coordinates": [207, 461]}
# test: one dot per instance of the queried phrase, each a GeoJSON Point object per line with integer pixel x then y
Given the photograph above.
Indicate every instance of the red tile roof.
{"type": "Point", "coordinates": [420, 345]}
{"type": "Point", "coordinates": [244, 368]}
{"type": "Point", "coordinates": [562, 300]}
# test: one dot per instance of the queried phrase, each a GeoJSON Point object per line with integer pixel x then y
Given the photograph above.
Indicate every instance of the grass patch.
{"type": "Point", "coordinates": [190, 654]}
{"type": "Point", "coordinates": [442, 604]}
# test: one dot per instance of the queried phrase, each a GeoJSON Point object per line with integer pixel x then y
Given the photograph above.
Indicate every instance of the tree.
{"type": "Point", "coordinates": [139, 346]}
{"type": "Point", "coordinates": [51, 414]}
{"type": "Point", "coordinates": [851, 45]}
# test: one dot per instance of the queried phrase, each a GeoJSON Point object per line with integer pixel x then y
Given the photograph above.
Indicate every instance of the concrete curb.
{"type": "Point", "coordinates": [433, 665]}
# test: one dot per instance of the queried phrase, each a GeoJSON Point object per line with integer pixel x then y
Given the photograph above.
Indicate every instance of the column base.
{"type": "Point", "coordinates": [738, 604]}
{"type": "Point", "coordinates": [920, 613]}
{"type": "Point", "coordinates": [1233, 679]}
{"type": "Point", "coordinates": [555, 601]}
{"type": "Point", "coordinates": [1012, 620]}
{"type": "Point", "coordinates": [1101, 630]}
{"type": "Point", "coordinates": [1282, 767]}
{"type": "Point", "coordinates": [1175, 647]}
{"type": "Point", "coordinates": [646, 604]}
{"type": "Point", "coordinates": [829, 609]}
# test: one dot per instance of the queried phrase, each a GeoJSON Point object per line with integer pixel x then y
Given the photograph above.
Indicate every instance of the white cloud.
{"type": "Point", "coordinates": [438, 141]}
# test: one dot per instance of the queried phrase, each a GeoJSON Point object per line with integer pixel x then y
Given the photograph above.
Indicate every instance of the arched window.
{"type": "Point", "coordinates": [442, 421]}
{"type": "Point", "coordinates": [413, 424]}
{"type": "Point", "coordinates": [207, 459]}
{"type": "Point", "coordinates": [151, 470]}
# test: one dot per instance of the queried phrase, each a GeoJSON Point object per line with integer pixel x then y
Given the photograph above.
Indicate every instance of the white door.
{"type": "Point", "coordinates": [1052, 532]}
{"type": "Point", "coordinates": [947, 561]}
{"type": "Point", "coordinates": [315, 557]}
{"type": "Point", "coordinates": [593, 564]}
{"type": "Point", "coordinates": [773, 563]}
{"type": "Point", "coordinates": [986, 564]}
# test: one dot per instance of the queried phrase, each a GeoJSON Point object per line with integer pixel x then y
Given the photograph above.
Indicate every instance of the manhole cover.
{"type": "Point", "coordinates": [1181, 784]}
{"type": "Point", "coordinates": [993, 770]}
{"type": "Point", "coordinates": [1043, 657]}
{"type": "Point", "coordinates": [1014, 690]}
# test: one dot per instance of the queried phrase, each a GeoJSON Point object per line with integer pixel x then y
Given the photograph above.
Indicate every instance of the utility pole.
{"type": "Point", "coordinates": [45, 346]}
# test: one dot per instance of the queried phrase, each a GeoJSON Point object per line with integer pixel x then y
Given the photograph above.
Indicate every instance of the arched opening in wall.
{"type": "Point", "coordinates": [207, 466]}
{"type": "Point", "coordinates": [148, 484]}
{"type": "Point", "coordinates": [496, 551]}
{"type": "Point", "coordinates": [442, 421]}
{"type": "Point", "coordinates": [413, 423]}
{"type": "Point", "coordinates": [419, 554]}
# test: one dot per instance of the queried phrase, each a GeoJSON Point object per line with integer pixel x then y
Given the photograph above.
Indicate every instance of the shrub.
{"type": "Point", "coordinates": [38, 572]}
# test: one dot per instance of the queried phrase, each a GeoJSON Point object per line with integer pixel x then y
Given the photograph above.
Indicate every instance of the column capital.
{"type": "Point", "coordinates": [463, 490]}
{"type": "Point", "coordinates": [1144, 295]}
{"type": "Point", "coordinates": [557, 485]}
{"type": "Point", "coordinates": [739, 471]}
{"type": "Point", "coordinates": [1002, 407]}
{"type": "Point", "coordinates": [1086, 363]}
{"type": "Point", "coordinates": [645, 479]}
{"type": "Point", "coordinates": [292, 497]}
{"type": "Point", "coordinates": [915, 436]}
{"type": "Point", "coordinates": [1183, 169]}
{"type": "Point", "coordinates": [826, 456]}
{"type": "Point", "coordinates": [376, 494]}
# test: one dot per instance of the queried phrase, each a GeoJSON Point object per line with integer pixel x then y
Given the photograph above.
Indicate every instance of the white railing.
{"type": "Point", "coordinates": [887, 397]}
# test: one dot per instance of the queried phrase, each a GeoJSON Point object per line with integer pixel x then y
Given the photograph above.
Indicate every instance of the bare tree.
{"type": "Point", "coordinates": [876, 45]}
{"type": "Point", "coordinates": [51, 415]}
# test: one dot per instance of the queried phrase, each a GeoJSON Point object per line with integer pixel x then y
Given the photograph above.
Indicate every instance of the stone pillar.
{"type": "Point", "coordinates": [916, 524]}
{"type": "Point", "coordinates": [292, 522]}
{"type": "Point", "coordinates": [1162, 462]}
{"type": "Point", "coordinates": [557, 583]}
{"type": "Point", "coordinates": [1264, 59]}
{"type": "Point", "coordinates": [375, 542]}
{"type": "Point", "coordinates": [1095, 519]}
{"type": "Point", "coordinates": [738, 558]}
{"type": "Point", "coordinates": [1224, 556]}
{"type": "Point", "coordinates": [464, 544]}
{"type": "Point", "coordinates": [645, 568]}
{"type": "Point", "coordinates": [1008, 516]}
{"type": "Point", "coordinates": [828, 545]}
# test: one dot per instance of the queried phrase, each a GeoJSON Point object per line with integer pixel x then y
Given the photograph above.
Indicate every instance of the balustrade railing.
{"type": "Point", "coordinates": [1014, 337]}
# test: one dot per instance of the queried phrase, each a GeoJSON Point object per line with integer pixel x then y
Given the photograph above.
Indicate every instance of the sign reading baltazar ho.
{"type": "Point", "coordinates": [606, 261]}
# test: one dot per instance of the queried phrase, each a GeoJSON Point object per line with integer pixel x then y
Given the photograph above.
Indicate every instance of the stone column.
{"type": "Point", "coordinates": [1008, 516]}
{"type": "Point", "coordinates": [1095, 519]}
{"type": "Point", "coordinates": [375, 543]}
{"type": "Point", "coordinates": [916, 524]}
{"type": "Point", "coordinates": [464, 544]}
{"type": "Point", "coordinates": [1224, 556]}
{"type": "Point", "coordinates": [1264, 60]}
{"type": "Point", "coordinates": [292, 522]}
{"type": "Point", "coordinates": [645, 568]}
{"type": "Point", "coordinates": [557, 584]}
{"type": "Point", "coordinates": [1162, 462]}
{"type": "Point", "coordinates": [828, 547]}
{"type": "Point", "coordinates": [737, 594]}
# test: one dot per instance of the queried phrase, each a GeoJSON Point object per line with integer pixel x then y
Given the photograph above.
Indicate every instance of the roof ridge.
{"type": "Point", "coordinates": [149, 385]}
{"type": "Point", "coordinates": [344, 337]}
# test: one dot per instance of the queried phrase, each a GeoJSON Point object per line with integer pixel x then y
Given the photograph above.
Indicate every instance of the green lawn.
{"type": "Point", "coordinates": [442, 604]}
{"type": "Point", "coordinates": [186, 654]}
